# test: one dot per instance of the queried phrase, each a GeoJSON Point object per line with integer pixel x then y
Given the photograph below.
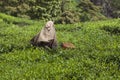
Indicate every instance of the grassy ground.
{"type": "Point", "coordinates": [96, 56]}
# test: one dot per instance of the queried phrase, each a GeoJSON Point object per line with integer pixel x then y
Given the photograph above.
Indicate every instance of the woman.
{"type": "Point", "coordinates": [47, 36]}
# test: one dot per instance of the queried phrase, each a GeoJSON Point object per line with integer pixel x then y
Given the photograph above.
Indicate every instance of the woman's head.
{"type": "Point", "coordinates": [49, 24]}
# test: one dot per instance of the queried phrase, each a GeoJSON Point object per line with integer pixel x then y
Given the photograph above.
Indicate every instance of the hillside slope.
{"type": "Point", "coordinates": [96, 56]}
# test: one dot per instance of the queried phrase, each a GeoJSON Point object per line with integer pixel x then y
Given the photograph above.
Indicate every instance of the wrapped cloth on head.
{"type": "Point", "coordinates": [46, 37]}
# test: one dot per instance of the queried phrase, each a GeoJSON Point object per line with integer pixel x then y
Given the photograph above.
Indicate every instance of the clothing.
{"type": "Point", "coordinates": [46, 37]}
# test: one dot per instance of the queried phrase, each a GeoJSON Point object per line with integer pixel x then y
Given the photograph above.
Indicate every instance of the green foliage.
{"type": "Point", "coordinates": [62, 11]}
{"type": "Point", "coordinates": [34, 9]}
{"type": "Point", "coordinates": [110, 8]}
{"type": "Point", "coordinates": [84, 10]}
{"type": "Point", "coordinates": [45, 9]}
{"type": "Point", "coordinates": [9, 19]}
{"type": "Point", "coordinates": [69, 14]}
{"type": "Point", "coordinates": [88, 11]}
{"type": "Point", "coordinates": [96, 56]}
{"type": "Point", "coordinates": [112, 30]}
{"type": "Point", "coordinates": [68, 17]}
{"type": "Point", "coordinates": [116, 8]}
{"type": "Point", "coordinates": [68, 5]}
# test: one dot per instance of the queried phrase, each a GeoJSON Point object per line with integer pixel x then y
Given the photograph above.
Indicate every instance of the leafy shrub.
{"type": "Point", "coordinates": [112, 30]}
{"type": "Point", "coordinates": [17, 21]}
{"type": "Point", "coordinates": [66, 11]}
{"type": "Point", "coordinates": [96, 55]}
{"type": "Point", "coordinates": [115, 5]}
{"type": "Point", "coordinates": [34, 9]}
{"type": "Point", "coordinates": [116, 14]}
{"type": "Point", "coordinates": [89, 12]}
{"type": "Point", "coordinates": [68, 17]}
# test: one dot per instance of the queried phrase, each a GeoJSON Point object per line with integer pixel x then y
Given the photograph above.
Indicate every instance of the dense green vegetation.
{"type": "Point", "coordinates": [97, 52]}
{"type": "Point", "coordinates": [96, 56]}
{"type": "Point", "coordinates": [61, 11]}
{"type": "Point", "coordinates": [34, 9]}
{"type": "Point", "coordinates": [116, 8]}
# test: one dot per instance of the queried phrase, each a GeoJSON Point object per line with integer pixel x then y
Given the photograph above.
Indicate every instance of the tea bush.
{"type": "Point", "coordinates": [96, 56]}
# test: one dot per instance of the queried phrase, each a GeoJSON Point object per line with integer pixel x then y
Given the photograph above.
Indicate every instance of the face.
{"type": "Point", "coordinates": [49, 24]}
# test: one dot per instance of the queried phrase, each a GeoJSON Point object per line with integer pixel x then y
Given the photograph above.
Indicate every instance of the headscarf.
{"type": "Point", "coordinates": [46, 34]}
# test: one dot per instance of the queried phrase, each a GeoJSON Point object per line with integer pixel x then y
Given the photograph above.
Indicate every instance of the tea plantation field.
{"type": "Point", "coordinates": [96, 56]}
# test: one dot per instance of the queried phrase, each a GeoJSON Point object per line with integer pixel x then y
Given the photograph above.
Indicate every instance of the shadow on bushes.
{"type": "Point", "coordinates": [70, 29]}
{"type": "Point", "coordinates": [20, 23]}
{"type": "Point", "coordinates": [112, 30]}
{"type": "Point", "coordinates": [11, 47]}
